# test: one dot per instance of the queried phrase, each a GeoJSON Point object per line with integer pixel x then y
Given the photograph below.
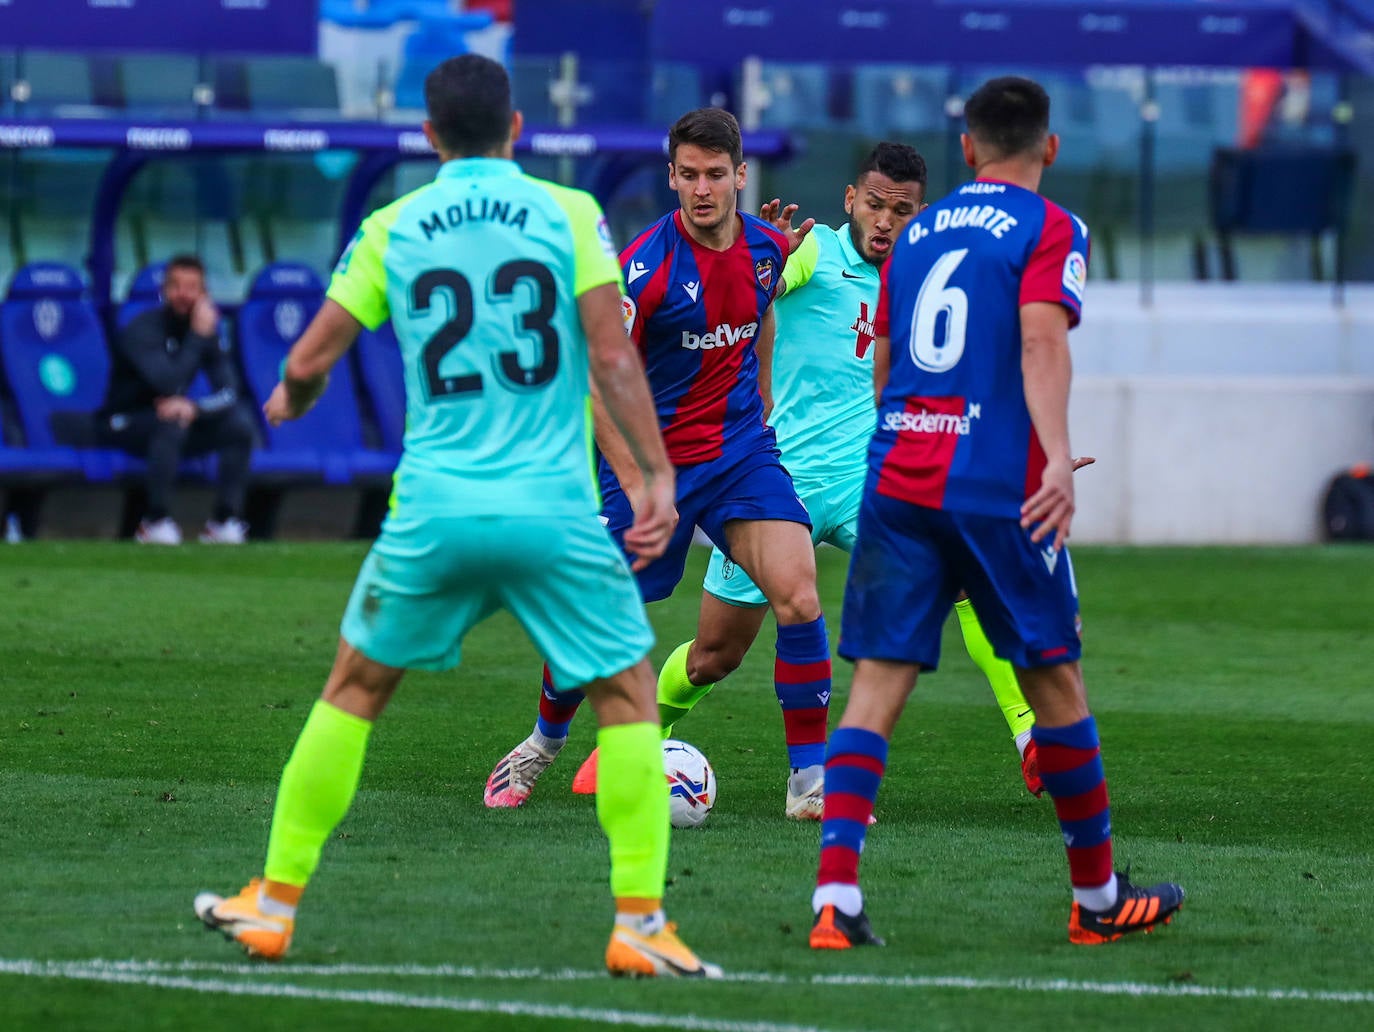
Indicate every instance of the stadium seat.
{"type": "Point", "coordinates": [677, 88]}
{"type": "Point", "coordinates": [383, 377]}
{"type": "Point", "coordinates": [897, 99]}
{"type": "Point", "coordinates": [57, 366]}
{"type": "Point", "coordinates": [53, 84]}
{"type": "Point", "coordinates": [327, 443]}
{"type": "Point", "coordinates": [158, 85]}
{"type": "Point", "coordinates": [798, 96]}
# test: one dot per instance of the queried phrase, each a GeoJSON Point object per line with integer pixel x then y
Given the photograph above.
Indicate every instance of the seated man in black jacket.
{"type": "Point", "coordinates": [147, 412]}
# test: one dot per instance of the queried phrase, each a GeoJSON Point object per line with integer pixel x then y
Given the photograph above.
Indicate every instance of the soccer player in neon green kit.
{"type": "Point", "coordinates": [822, 379]}
{"type": "Point", "coordinates": [504, 291]}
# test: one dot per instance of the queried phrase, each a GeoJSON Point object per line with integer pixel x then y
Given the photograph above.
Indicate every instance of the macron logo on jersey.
{"type": "Point", "coordinates": [638, 270]}
{"type": "Point", "coordinates": [693, 289]}
{"type": "Point", "coordinates": [724, 336]}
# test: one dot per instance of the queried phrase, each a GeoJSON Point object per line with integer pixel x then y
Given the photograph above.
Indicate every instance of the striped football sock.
{"type": "Point", "coordinates": [1071, 766]}
{"type": "Point", "coordinates": [801, 678]}
{"type": "Point", "coordinates": [853, 771]}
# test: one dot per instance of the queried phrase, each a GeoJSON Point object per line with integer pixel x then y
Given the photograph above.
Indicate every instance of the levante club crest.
{"type": "Point", "coordinates": [763, 269]}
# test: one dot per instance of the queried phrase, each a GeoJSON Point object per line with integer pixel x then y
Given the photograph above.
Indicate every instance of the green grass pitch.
{"type": "Point", "coordinates": [148, 700]}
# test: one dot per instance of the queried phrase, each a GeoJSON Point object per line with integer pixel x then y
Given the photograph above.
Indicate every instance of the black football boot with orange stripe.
{"type": "Point", "coordinates": [1137, 909]}
{"type": "Point", "coordinates": [836, 930]}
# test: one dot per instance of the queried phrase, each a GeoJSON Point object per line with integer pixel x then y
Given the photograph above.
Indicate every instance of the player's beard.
{"type": "Point", "coordinates": [720, 215]}
{"type": "Point", "coordinates": [858, 238]}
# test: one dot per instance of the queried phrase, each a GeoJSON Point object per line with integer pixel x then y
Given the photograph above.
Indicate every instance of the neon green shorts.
{"type": "Point", "coordinates": [427, 581]}
{"type": "Point", "coordinates": [834, 519]}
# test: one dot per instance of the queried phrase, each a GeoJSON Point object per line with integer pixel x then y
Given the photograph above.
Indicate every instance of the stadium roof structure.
{"type": "Point", "coordinates": [1331, 34]}
{"type": "Point", "coordinates": [619, 153]}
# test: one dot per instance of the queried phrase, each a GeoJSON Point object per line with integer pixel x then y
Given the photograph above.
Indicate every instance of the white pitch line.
{"type": "Point", "coordinates": [382, 998]}
{"type": "Point", "coordinates": [1056, 985]}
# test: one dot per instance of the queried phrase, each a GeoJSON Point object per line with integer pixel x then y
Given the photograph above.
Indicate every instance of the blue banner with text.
{"type": "Point", "coordinates": [238, 26]}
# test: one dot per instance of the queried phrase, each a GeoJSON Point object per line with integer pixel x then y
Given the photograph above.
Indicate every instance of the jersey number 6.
{"type": "Point", "coordinates": [536, 321]}
{"type": "Point", "coordinates": [938, 298]}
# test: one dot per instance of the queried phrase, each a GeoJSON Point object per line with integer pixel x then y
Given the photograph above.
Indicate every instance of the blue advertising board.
{"type": "Point", "coordinates": [241, 26]}
{"type": "Point", "coordinates": [982, 32]}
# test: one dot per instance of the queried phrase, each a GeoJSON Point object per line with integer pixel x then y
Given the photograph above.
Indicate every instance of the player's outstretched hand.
{"type": "Point", "coordinates": [1083, 460]}
{"type": "Point", "coordinates": [1050, 509]}
{"type": "Point", "coordinates": [781, 217]}
{"type": "Point", "coordinates": [655, 520]}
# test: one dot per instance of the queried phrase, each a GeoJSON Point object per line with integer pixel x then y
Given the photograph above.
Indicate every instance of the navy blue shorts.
{"type": "Point", "coordinates": [709, 495]}
{"type": "Point", "coordinates": [910, 563]}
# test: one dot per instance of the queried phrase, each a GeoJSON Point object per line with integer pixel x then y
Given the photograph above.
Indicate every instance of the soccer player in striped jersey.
{"type": "Point", "coordinates": [700, 284]}
{"type": "Point", "coordinates": [970, 485]}
{"type": "Point", "coordinates": [822, 383]}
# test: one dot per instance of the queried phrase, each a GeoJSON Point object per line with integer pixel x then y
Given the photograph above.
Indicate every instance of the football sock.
{"type": "Point", "coordinates": [854, 768]}
{"type": "Point", "coordinates": [644, 916]}
{"type": "Point", "coordinates": [676, 692]}
{"type": "Point", "coordinates": [317, 788]}
{"type": "Point", "coordinates": [801, 678]}
{"type": "Point", "coordinates": [556, 709]}
{"type": "Point", "coordinates": [632, 806]}
{"type": "Point", "coordinates": [278, 899]}
{"type": "Point", "coordinates": [1015, 709]}
{"type": "Point", "coordinates": [1071, 766]}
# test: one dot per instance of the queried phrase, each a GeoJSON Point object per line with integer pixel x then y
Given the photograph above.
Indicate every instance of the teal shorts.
{"type": "Point", "coordinates": [427, 581]}
{"type": "Point", "coordinates": [834, 516]}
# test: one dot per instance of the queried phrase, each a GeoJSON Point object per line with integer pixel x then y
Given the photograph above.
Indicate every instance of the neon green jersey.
{"type": "Point", "coordinates": [823, 359]}
{"type": "Point", "coordinates": [479, 272]}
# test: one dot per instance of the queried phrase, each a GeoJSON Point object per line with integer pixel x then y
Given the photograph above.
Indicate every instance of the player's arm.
{"type": "Point", "coordinates": [1047, 369]}
{"type": "Point", "coordinates": [623, 392]}
{"type": "Point", "coordinates": [763, 348]}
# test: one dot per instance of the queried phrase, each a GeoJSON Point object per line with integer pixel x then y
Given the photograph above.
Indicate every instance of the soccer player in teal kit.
{"type": "Point", "coordinates": [504, 291]}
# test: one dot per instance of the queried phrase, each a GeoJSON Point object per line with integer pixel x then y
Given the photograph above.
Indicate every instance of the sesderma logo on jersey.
{"type": "Point", "coordinates": [724, 336]}
{"type": "Point", "coordinates": [925, 422]}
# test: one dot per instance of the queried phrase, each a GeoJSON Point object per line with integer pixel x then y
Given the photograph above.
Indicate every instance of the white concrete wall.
{"type": "Point", "coordinates": [1219, 414]}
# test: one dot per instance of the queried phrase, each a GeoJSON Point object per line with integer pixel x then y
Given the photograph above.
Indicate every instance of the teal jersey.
{"type": "Point", "coordinates": [479, 272]}
{"type": "Point", "coordinates": [824, 411]}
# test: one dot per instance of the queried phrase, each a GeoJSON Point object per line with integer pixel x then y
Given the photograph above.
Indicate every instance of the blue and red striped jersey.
{"type": "Point", "coordinates": [953, 429]}
{"type": "Point", "coordinates": [695, 314]}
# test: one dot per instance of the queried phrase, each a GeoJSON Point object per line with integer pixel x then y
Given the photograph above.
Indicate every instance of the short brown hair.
{"type": "Point", "coordinates": [185, 261]}
{"type": "Point", "coordinates": [710, 128]}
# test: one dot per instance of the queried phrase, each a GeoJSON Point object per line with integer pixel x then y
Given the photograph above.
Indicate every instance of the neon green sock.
{"type": "Point", "coordinates": [676, 692]}
{"type": "Point", "coordinates": [1015, 709]}
{"type": "Point", "coordinates": [317, 788]}
{"type": "Point", "coordinates": [632, 806]}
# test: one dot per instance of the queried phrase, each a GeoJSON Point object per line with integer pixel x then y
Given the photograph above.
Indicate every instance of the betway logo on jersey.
{"type": "Point", "coordinates": [925, 422]}
{"type": "Point", "coordinates": [724, 336]}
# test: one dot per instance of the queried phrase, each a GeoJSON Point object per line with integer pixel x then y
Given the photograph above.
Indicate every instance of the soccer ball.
{"type": "Point", "coordinates": [691, 783]}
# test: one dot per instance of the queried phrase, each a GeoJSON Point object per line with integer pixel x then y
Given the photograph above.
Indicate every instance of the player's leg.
{"type": "Point", "coordinates": [725, 630]}
{"type": "Point", "coordinates": [1018, 713]}
{"type": "Point", "coordinates": [1029, 603]}
{"type": "Point", "coordinates": [581, 607]}
{"type": "Point", "coordinates": [632, 807]}
{"type": "Point", "coordinates": [731, 614]}
{"type": "Point", "coordinates": [401, 614]}
{"type": "Point", "coordinates": [513, 778]}
{"type": "Point", "coordinates": [780, 557]}
{"type": "Point", "coordinates": [896, 599]}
